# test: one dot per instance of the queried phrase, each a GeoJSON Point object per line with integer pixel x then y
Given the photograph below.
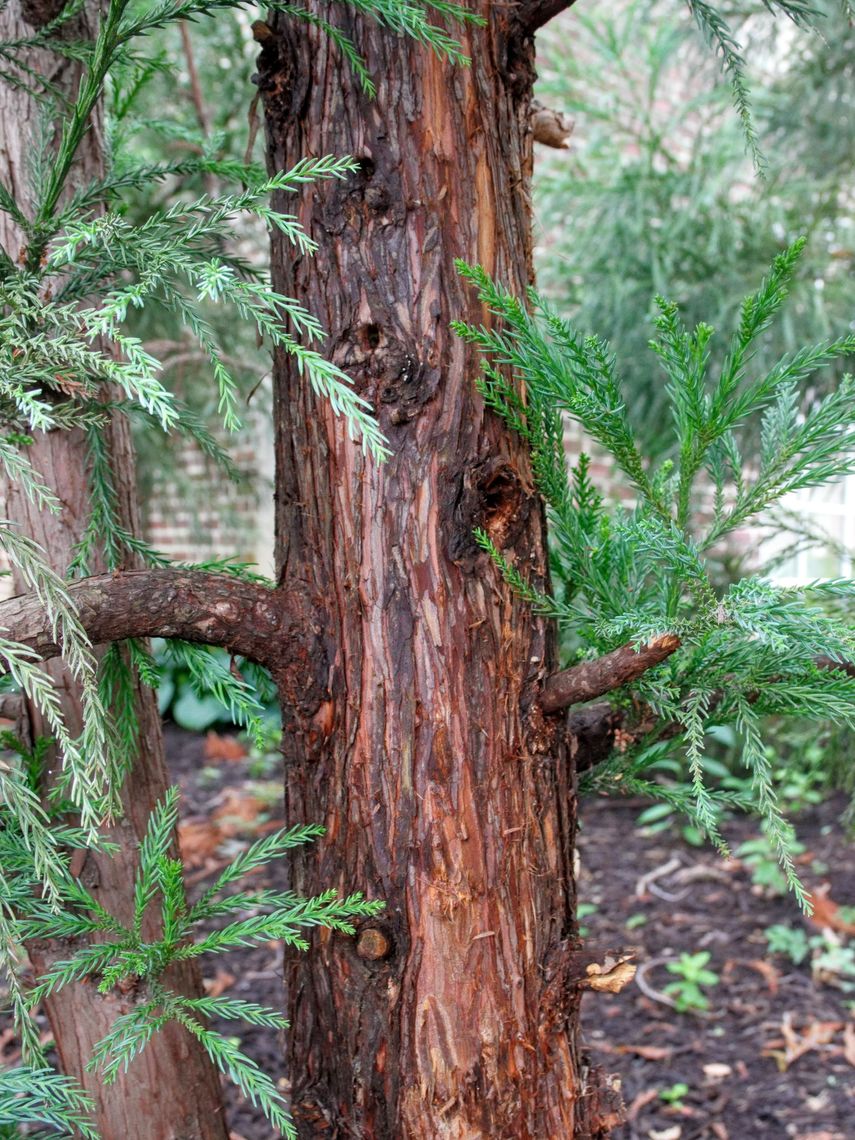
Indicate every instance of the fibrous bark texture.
{"type": "Point", "coordinates": [172, 1090]}
{"type": "Point", "coordinates": [425, 752]}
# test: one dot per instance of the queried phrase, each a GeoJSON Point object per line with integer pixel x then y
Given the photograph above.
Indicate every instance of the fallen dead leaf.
{"type": "Point", "coordinates": [820, 1136]}
{"type": "Point", "coordinates": [220, 982]}
{"type": "Point", "coordinates": [611, 977]}
{"type": "Point", "coordinates": [641, 1101]}
{"type": "Point", "coordinates": [765, 969]}
{"type": "Point", "coordinates": [717, 1071]}
{"type": "Point", "coordinates": [849, 1042]}
{"type": "Point", "coordinates": [223, 747]}
{"type": "Point", "coordinates": [792, 1043]}
{"type": "Point", "coordinates": [826, 912]}
{"type": "Point", "coordinates": [238, 813]}
{"type": "Point", "coordinates": [647, 1052]}
{"type": "Point", "coordinates": [198, 840]}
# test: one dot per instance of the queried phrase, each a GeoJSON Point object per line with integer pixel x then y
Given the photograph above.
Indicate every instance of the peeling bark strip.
{"type": "Point", "coordinates": [442, 789]}
{"type": "Point", "coordinates": [591, 679]}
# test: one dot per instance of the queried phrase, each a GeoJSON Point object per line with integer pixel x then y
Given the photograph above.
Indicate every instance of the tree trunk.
{"type": "Point", "coordinates": [172, 1091]}
{"type": "Point", "coordinates": [420, 743]}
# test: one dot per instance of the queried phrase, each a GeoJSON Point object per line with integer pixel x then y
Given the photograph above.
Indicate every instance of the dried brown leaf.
{"type": "Point", "coordinates": [647, 1052]}
{"type": "Point", "coordinates": [220, 982]}
{"type": "Point", "coordinates": [826, 912]}
{"type": "Point", "coordinates": [611, 977]}
{"type": "Point", "coordinates": [794, 1043]}
{"type": "Point", "coordinates": [223, 747]}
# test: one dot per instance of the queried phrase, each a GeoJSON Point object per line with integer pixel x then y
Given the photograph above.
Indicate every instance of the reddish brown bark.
{"type": "Point", "coordinates": [443, 789]}
{"type": "Point", "coordinates": [172, 1090]}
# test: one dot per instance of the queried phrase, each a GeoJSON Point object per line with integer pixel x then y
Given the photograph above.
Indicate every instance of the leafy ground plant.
{"type": "Point", "coordinates": [127, 958]}
{"type": "Point", "coordinates": [831, 954]}
{"type": "Point", "coordinates": [693, 979]}
{"type": "Point", "coordinates": [639, 576]}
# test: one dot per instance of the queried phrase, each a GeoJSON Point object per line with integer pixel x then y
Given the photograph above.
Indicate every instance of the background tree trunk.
{"type": "Point", "coordinates": [172, 1090]}
{"type": "Point", "coordinates": [420, 743]}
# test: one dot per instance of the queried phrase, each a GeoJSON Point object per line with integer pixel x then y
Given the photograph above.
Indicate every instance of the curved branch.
{"type": "Point", "coordinates": [533, 14]}
{"type": "Point", "coordinates": [246, 618]}
{"type": "Point", "coordinates": [590, 679]}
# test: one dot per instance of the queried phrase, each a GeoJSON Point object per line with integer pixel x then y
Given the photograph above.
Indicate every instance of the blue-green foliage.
{"type": "Point", "coordinates": [630, 573]}
{"type": "Point", "coordinates": [657, 196]}
{"type": "Point", "coordinates": [199, 687]}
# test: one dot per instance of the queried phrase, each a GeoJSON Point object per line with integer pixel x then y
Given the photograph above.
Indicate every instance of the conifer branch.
{"type": "Point", "coordinates": [599, 729]}
{"type": "Point", "coordinates": [245, 617]}
{"type": "Point", "coordinates": [590, 679]}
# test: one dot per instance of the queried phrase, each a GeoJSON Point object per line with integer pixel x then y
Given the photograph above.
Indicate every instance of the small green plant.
{"type": "Point", "coordinates": [832, 956]}
{"type": "Point", "coordinates": [265, 754]}
{"type": "Point", "coordinates": [585, 910]}
{"type": "Point", "coordinates": [124, 957]}
{"type": "Point", "coordinates": [635, 921]}
{"type": "Point", "coordinates": [674, 1094]}
{"type": "Point", "coordinates": [693, 978]}
{"type": "Point", "coordinates": [760, 858]}
{"type": "Point", "coordinates": [791, 941]}
{"type": "Point", "coordinates": [833, 960]}
{"type": "Point", "coordinates": [201, 686]}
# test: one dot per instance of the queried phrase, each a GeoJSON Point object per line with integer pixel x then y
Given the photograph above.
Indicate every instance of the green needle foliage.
{"type": "Point", "coordinates": [125, 957]}
{"type": "Point", "coordinates": [66, 362]}
{"type": "Point", "coordinates": [663, 196]}
{"type": "Point", "coordinates": [42, 1096]}
{"type": "Point", "coordinates": [719, 35]}
{"type": "Point", "coordinates": [627, 574]}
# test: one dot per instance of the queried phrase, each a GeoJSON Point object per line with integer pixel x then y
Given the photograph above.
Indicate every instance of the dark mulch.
{"type": "Point", "coordinates": [736, 1089]}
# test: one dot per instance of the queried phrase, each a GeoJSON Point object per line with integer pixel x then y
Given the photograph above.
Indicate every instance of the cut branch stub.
{"type": "Point", "coordinates": [590, 679]}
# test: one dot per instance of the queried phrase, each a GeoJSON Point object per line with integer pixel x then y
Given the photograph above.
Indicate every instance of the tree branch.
{"type": "Point", "coordinates": [533, 14]}
{"type": "Point", "coordinates": [265, 625]}
{"type": "Point", "coordinates": [596, 730]}
{"type": "Point", "coordinates": [590, 679]}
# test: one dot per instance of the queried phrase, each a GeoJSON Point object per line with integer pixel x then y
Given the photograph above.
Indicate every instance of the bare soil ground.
{"type": "Point", "coordinates": [774, 1055]}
